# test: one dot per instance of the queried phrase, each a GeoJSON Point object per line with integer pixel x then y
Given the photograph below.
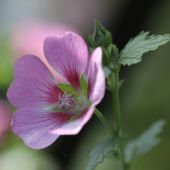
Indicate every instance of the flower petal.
{"type": "Point", "coordinates": [34, 125]}
{"type": "Point", "coordinates": [33, 84]}
{"type": "Point", "coordinates": [68, 54]}
{"type": "Point", "coordinates": [96, 77]}
{"type": "Point", "coordinates": [74, 126]}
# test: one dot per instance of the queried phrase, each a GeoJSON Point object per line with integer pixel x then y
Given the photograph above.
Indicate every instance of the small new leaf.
{"type": "Point", "coordinates": [145, 142]}
{"type": "Point", "coordinates": [142, 43]}
{"type": "Point", "coordinates": [99, 152]}
{"type": "Point", "coordinates": [101, 36]}
{"type": "Point", "coordinates": [113, 51]}
{"type": "Point", "coordinates": [107, 71]}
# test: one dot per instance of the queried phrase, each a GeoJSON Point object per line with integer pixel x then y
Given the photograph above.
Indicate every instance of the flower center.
{"type": "Point", "coordinates": [67, 102]}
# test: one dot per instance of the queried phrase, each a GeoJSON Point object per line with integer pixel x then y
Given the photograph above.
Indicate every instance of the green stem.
{"type": "Point", "coordinates": [116, 106]}
{"type": "Point", "coordinates": [104, 121]}
{"type": "Point", "coordinates": [118, 118]}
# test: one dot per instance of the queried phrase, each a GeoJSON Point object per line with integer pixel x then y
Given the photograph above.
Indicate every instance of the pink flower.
{"type": "Point", "coordinates": [28, 38]}
{"type": "Point", "coordinates": [47, 109]}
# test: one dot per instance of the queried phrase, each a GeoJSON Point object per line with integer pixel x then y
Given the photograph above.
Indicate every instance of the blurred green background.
{"type": "Point", "coordinates": [145, 94]}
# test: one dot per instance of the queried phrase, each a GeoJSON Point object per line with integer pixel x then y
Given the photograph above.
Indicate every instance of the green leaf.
{"type": "Point", "coordinates": [100, 151]}
{"type": "Point", "coordinates": [66, 88]}
{"type": "Point", "coordinates": [145, 142]}
{"type": "Point", "coordinates": [142, 43]}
